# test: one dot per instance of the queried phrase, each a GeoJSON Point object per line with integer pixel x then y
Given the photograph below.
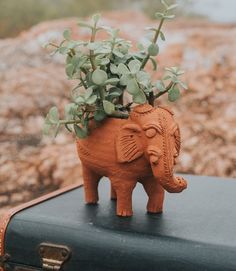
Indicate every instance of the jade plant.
{"type": "Point", "coordinates": [105, 70]}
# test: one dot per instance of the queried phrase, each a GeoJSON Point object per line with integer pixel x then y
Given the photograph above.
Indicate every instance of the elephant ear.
{"type": "Point", "coordinates": [128, 143]}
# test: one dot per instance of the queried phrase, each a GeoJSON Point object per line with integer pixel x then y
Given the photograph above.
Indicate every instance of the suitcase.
{"type": "Point", "coordinates": [197, 231]}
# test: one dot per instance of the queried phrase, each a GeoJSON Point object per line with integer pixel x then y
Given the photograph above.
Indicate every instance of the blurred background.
{"type": "Point", "coordinates": [201, 40]}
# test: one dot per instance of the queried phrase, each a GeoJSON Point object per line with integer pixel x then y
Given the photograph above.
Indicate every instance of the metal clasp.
{"type": "Point", "coordinates": [3, 260]}
{"type": "Point", "coordinates": [53, 256]}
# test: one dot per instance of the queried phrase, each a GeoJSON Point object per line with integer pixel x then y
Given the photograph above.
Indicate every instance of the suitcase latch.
{"type": "Point", "coordinates": [53, 256]}
{"type": "Point", "coordinates": [3, 260]}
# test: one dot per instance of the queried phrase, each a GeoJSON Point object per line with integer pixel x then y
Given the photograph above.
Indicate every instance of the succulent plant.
{"type": "Point", "coordinates": [105, 70]}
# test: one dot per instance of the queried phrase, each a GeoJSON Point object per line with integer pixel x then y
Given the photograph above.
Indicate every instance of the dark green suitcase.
{"type": "Point", "coordinates": [197, 231]}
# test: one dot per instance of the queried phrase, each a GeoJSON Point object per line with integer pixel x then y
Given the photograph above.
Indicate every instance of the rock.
{"type": "Point", "coordinates": [31, 81]}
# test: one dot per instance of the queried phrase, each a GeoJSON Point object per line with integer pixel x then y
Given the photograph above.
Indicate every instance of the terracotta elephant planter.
{"type": "Point", "coordinates": [141, 149]}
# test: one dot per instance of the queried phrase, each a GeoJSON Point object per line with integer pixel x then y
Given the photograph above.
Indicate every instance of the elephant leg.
{"type": "Point", "coordinates": [113, 193]}
{"type": "Point", "coordinates": [124, 191]}
{"type": "Point", "coordinates": [155, 193]}
{"type": "Point", "coordinates": [91, 180]}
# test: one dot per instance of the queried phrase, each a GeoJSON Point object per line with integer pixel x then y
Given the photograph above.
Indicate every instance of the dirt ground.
{"type": "Point", "coordinates": [31, 81]}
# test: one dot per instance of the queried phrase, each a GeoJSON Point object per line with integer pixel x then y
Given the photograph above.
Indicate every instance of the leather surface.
{"type": "Point", "coordinates": [197, 230]}
{"type": "Point", "coordinates": [6, 217]}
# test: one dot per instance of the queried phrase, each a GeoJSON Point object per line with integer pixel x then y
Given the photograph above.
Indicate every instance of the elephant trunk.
{"type": "Point", "coordinates": [163, 171]}
{"type": "Point", "coordinates": [173, 184]}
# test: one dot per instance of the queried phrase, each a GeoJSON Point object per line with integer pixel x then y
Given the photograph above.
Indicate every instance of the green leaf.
{"type": "Point", "coordinates": [113, 68]}
{"type": "Point", "coordinates": [132, 87]}
{"type": "Point", "coordinates": [154, 63]}
{"type": "Point", "coordinates": [122, 69]}
{"type": "Point", "coordinates": [47, 120]}
{"type": "Point", "coordinates": [46, 128]}
{"type": "Point", "coordinates": [169, 16]}
{"type": "Point", "coordinates": [84, 24]}
{"type": "Point", "coordinates": [112, 81]}
{"type": "Point", "coordinates": [164, 4]}
{"type": "Point", "coordinates": [179, 72]}
{"type": "Point", "coordinates": [91, 100]}
{"type": "Point", "coordinates": [113, 95]}
{"type": "Point", "coordinates": [172, 7]}
{"type": "Point", "coordinates": [99, 115]}
{"type": "Point", "coordinates": [53, 115]}
{"type": "Point", "coordinates": [183, 85]}
{"type": "Point", "coordinates": [139, 98]}
{"type": "Point", "coordinates": [153, 49]}
{"type": "Point", "coordinates": [160, 86]}
{"type": "Point", "coordinates": [167, 77]}
{"type": "Point", "coordinates": [69, 70]}
{"type": "Point", "coordinates": [96, 18]}
{"type": "Point", "coordinates": [70, 110]}
{"type": "Point", "coordinates": [175, 70]}
{"type": "Point", "coordinates": [125, 79]}
{"type": "Point", "coordinates": [58, 126]}
{"type": "Point", "coordinates": [88, 93]}
{"type": "Point", "coordinates": [105, 61]}
{"type": "Point", "coordinates": [173, 94]}
{"type": "Point", "coordinates": [80, 132]}
{"type": "Point", "coordinates": [103, 50]}
{"type": "Point", "coordinates": [99, 77]}
{"type": "Point", "coordinates": [174, 79]}
{"type": "Point", "coordinates": [94, 45]}
{"type": "Point", "coordinates": [113, 32]}
{"type": "Point", "coordinates": [67, 34]}
{"type": "Point", "coordinates": [115, 89]}
{"type": "Point", "coordinates": [63, 50]}
{"type": "Point", "coordinates": [151, 29]}
{"type": "Point", "coordinates": [162, 36]}
{"type": "Point", "coordinates": [140, 46]}
{"type": "Point", "coordinates": [169, 69]}
{"type": "Point", "coordinates": [143, 78]}
{"type": "Point", "coordinates": [159, 15]}
{"type": "Point", "coordinates": [134, 66]}
{"type": "Point", "coordinates": [80, 100]}
{"type": "Point", "coordinates": [118, 53]}
{"type": "Point", "coordinates": [109, 107]}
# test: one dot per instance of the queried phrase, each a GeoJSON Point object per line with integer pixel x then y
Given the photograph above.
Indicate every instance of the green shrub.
{"type": "Point", "coordinates": [105, 70]}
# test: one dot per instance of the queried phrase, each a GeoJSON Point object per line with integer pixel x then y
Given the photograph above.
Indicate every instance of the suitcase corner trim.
{"type": "Point", "coordinates": [5, 220]}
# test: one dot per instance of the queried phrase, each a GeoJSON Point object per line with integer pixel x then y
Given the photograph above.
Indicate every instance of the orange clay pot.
{"type": "Point", "coordinates": [142, 149]}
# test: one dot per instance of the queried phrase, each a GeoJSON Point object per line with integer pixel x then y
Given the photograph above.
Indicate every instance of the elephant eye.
{"type": "Point", "coordinates": [151, 132]}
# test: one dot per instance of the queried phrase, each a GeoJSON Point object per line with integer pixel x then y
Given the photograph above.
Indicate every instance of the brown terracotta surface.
{"type": "Point", "coordinates": [141, 149]}
{"type": "Point", "coordinates": [31, 81]}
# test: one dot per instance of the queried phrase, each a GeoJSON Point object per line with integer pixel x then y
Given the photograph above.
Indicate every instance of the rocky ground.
{"type": "Point", "coordinates": [31, 81]}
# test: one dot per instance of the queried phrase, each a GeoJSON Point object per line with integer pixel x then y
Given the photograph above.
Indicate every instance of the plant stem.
{"type": "Point", "coordinates": [151, 98]}
{"type": "Point", "coordinates": [54, 44]}
{"type": "Point", "coordinates": [127, 106]}
{"type": "Point", "coordinates": [71, 53]}
{"type": "Point", "coordinates": [154, 41]}
{"type": "Point", "coordinates": [171, 84]}
{"type": "Point", "coordinates": [116, 114]}
{"type": "Point", "coordinates": [119, 115]}
{"type": "Point", "coordinates": [91, 52]}
{"type": "Point", "coordinates": [101, 94]}
{"type": "Point", "coordinates": [82, 81]}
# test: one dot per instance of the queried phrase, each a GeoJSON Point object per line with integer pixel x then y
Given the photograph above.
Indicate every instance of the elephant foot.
{"type": "Point", "coordinates": [124, 213]}
{"type": "Point", "coordinates": [92, 203]}
{"type": "Point", "coordinates": [113, 194]}
{"type": "Point", "coordinates": [154, 208]}
{"type": "Point", "coordinates": [91, 199]}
